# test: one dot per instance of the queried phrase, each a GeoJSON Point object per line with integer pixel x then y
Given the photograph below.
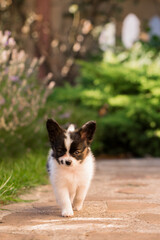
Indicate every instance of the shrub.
{"type": "Point", "coordinates": [122, 93]}
{"type": "Point", "coordinates": [21, 96]}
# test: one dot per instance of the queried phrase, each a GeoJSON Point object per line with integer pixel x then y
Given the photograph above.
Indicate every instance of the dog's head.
{"type": "Point", "coordinates": [70, 147]}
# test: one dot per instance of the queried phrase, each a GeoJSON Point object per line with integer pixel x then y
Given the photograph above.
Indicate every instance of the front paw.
{"type": "Point", "coordinates": [67, 213]}
{"type": "Point", "coordinates": [77, 207]}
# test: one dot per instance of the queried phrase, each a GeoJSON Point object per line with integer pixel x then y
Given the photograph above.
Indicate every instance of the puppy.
{"type": "Point", "coordinates": [70, 164]}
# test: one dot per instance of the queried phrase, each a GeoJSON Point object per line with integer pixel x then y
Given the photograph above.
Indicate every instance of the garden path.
{"type": "Point", "coordinates": [123, 203]}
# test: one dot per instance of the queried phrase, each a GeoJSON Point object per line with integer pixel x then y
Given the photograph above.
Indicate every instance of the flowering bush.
{"type": "Point", "coordinates": [20, 94]}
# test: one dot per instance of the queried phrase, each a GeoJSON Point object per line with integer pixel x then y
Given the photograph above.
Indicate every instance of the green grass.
{"type": "Point", "coordinates": [21, 174]}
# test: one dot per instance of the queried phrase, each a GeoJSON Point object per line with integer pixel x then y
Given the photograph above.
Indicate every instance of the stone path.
{"type": "Point", "coordinates": [123, 204]}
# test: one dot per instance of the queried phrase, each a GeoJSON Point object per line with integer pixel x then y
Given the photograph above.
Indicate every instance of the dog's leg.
{"type": "Point", "coordinates": [80, 196]}
{"type": "Point", "coordinates": [72, 196]}
{"type": "Point", "coordinates": [63, 199]}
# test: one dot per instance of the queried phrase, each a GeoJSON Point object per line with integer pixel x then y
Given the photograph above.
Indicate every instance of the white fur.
{"type": "Point", "coordinates": [71, 183]}
{"type": "Point", "coordinates": [67, 141]}
{"type": "Point", "coordinates": [71, 128]}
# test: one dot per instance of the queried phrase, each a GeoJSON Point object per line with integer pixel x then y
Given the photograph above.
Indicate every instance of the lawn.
{"type": "Point", "coordinates": [21, 174]}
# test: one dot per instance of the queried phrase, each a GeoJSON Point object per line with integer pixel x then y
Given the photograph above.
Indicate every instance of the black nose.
{"type": "Point", "coordinates": [68, 163]}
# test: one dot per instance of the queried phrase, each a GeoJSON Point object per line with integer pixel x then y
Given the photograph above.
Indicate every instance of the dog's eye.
{"type": "Point", "coordinates": [59, 150]}
{"type": "Point", "coordinates": [77, 152]}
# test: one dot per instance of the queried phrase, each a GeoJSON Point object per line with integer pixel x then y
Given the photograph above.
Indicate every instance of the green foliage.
{"type": "Point", "coordinates": [127, 87]}
{"type": "Point", "coordinates": [22, 173]}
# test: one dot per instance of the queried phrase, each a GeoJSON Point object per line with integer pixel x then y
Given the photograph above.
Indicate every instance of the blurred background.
{"type": "Point", "coordinates": [76, 61]}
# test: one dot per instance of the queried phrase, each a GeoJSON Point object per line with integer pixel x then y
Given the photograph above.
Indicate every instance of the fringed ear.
{"type": "Point", "coordinates": [87, 131]}
{"type": "Point", "coordinates": [54, 130]}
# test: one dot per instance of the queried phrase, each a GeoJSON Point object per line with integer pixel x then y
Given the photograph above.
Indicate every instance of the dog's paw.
{"type": "Point", "coordinates": [67, 213]}
{"type": "Point", "coordinates": [77, 207]}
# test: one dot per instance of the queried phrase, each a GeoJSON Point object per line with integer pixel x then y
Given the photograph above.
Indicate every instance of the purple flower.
{"type": "Point", "coordinates": [8, 33]}
{"type": "Point", "coordinates": [2, 101]}
{"type": "Point", "coordinates": [14, 78]}
{"type": "Point", "coordinates": [6, 43]}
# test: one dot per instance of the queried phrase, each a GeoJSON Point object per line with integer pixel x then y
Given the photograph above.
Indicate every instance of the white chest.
{"type": "Point", "coordinates": [72, 177]}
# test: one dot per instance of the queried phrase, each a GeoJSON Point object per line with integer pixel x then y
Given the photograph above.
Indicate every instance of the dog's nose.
{"type": "Point", "coordinates": [68, 163]}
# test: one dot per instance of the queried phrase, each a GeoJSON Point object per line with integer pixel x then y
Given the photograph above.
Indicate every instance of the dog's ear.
{"type": "Point", "coordinates": [87, 131]}
{"type": "Point", "coordinates": [54, 130]}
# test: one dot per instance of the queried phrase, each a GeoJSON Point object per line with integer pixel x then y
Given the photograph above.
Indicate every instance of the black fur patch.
{"type": "Point", "coordinates": [79, 148]}
{"type": "Point", "coordinates": [54, 131]}
{"type": "Point", "coordinates": [81, 140]}
{"type": "Point", "coordinates": [56, 137]}
{"type": "Point", "coordinates": [59, 148]}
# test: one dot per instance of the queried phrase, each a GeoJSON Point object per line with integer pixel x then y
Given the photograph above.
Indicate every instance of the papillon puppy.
{"type": "Point", "coordinates": [70, 164]}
